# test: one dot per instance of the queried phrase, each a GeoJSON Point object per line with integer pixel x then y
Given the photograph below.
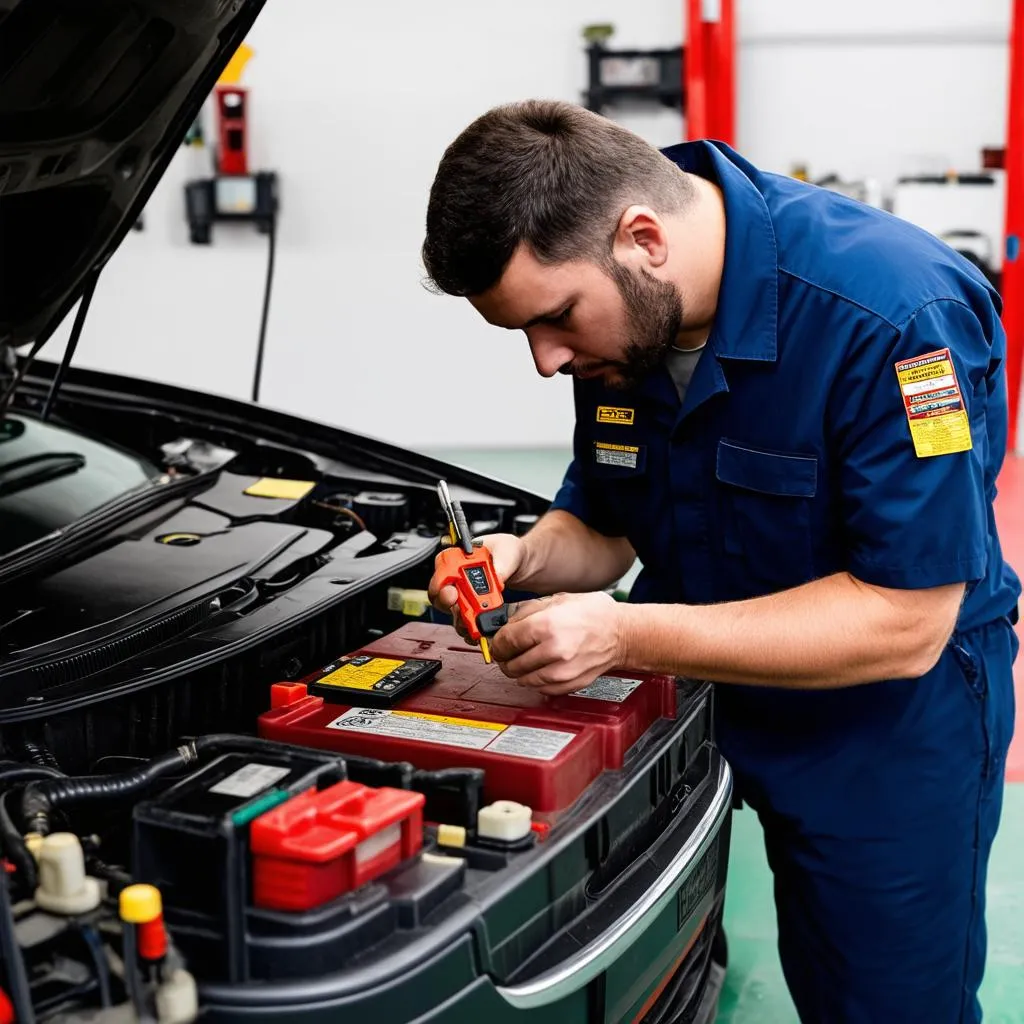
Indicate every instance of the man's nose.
{"type": "Point", "coordinates": [549, 355]}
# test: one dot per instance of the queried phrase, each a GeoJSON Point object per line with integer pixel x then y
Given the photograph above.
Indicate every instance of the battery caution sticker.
{"type": "Point", "coordinates": [250, 780]}
{"type": "Point", "coordinates": [513, 740]}
{"type": "Point", "coordinates": [613, 688]}
{"type": "Point", "coordinates": [368, 679]}
{"type": "Point", "coordinates": [361, 673]}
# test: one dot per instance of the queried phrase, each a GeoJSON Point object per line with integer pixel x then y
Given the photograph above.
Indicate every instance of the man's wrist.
{"type": "Point", "coordinates": [630, 638]}
{"type": "Point", "coordinates": [653, 638]}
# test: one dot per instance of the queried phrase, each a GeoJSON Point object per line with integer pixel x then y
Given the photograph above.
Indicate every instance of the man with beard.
{"type": "Point", "coordinates": [792, 409]}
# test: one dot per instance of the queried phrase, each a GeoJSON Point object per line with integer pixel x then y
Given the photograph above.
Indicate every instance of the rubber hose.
{"type": "Point", "coordinates": [11, 840]}
{"type": "Point", "coordinates": [41, 799]}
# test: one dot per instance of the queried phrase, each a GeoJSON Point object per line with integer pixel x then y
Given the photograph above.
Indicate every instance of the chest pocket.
{"type": "Point", "coordinates": [765, 525]}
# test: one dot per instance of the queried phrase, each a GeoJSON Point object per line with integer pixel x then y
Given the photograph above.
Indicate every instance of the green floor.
{"type": "Point", "coordinates": [755, 992]}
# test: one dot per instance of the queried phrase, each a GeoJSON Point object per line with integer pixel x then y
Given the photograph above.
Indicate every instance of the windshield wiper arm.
{"type": "Point", "coordinates": [37, 469]}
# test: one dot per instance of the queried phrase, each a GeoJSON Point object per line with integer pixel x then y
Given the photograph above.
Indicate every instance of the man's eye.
{"type": "Point", "coordinates": [563, 316]}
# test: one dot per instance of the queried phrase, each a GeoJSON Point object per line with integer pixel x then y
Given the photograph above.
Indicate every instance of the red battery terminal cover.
{"type": "Point", "coordinates": [320, 845]}
{"type": "Point", "coordinates": [6, 1009]}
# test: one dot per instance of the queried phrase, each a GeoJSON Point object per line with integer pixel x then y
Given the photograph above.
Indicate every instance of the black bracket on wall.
{"type": "Point", "coordinates": [617, 75]}
{"type": "Point", "coordinates": [248, 198]}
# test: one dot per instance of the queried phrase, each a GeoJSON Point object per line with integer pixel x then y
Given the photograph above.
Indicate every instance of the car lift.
{"type": "Point", "coordinates": [1013, 261]}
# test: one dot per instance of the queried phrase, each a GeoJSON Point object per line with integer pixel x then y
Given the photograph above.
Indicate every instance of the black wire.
{"type": "Point", "coordinates": [13, 772]}
{"type": "Point", "coordinates": [11, 840]}
{"type": "Point", "coordinates": [12, 960]}
{"type": "Point", "coordinates": [15, 848]}
{"type": "Point", "coordinates": [76, 334]}
{"type": "Point", "coordinates": [132, 974]}
{"type": "Point", "coordinates": [99, 960]}
{"type": "Point", "coordinates": [271, 247]}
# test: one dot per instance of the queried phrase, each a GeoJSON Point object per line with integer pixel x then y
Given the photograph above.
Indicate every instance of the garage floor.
{"type": "Point", "coordinates": [755, 992]}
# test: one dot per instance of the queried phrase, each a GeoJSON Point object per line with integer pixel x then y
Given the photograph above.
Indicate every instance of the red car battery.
{"type": "Point", "coordinates": [536, 750]}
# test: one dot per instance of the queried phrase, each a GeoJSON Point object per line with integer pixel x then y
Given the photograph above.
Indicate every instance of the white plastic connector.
{"type": "Point", "coordinates": [504, 820]}
{"type": "Point", "coordinates": [177, 1000]}
{"type": "Point", "coordinates": [64, 887]}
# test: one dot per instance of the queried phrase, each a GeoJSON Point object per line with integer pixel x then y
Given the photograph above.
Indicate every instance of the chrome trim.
{"type": "Point", "coordinates": [580, 969]}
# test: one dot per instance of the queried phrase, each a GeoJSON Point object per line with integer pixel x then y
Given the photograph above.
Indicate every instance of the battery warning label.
{"type": "Point", "coordinates": [514, 740]}
{"type": "Point", "coordinates": [613, 688]}
{"type": "Point", "coordinates": [934, 404]}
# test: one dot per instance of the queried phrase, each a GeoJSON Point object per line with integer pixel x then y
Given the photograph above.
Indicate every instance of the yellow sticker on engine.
{"type": "Point", "coordinates": [934, 404]}
{"type": "Point", "coordinates": [286, 490]}
{"type": "Point", "coordinates": [361, 675]}
{"type": "Point", "coordinates": [615, 414]}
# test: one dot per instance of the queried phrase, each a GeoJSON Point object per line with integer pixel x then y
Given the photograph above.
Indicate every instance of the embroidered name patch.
{"type": "Point", "coordinates": [625, 456]}
{"type": "Point", "coordinates": [934, 404]}
{"type": "Point", "coordinates": [613, 414]}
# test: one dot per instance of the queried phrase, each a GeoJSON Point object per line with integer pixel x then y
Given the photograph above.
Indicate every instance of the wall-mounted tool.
{"type": "Point", "coordinates": [233, 193]}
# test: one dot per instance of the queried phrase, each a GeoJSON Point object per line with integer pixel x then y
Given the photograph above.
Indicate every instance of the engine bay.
{"type": "Point", "coordinates": [245, 769]}
{"type": "Point", "coordinates": [344, 836]}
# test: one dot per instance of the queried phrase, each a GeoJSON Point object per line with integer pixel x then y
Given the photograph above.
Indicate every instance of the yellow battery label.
{"type": "Point", "coordinates": [363, 676]}
{"type": "Point", "coordinates": [448, 720]}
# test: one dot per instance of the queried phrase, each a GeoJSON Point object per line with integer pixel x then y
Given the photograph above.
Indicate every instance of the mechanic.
{"type": "Point", "coordinates": [791, 408]}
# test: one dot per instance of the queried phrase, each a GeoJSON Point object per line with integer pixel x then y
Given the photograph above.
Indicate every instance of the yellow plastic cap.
{"type": "Point", "coordinates": [140, 904]}
{"type": "Point", "coordinates": [451, 835]}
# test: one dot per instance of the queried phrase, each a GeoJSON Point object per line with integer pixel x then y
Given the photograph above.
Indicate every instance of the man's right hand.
{"type": "Point", "coordinates": [507, 553]}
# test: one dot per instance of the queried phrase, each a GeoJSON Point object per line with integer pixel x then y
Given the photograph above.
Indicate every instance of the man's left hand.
{"type": "Point", "coordinates": [560, 644]}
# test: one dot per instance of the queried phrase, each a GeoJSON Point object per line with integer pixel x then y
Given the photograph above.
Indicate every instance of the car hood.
{"type": "Point", "coordinates": [95, 99]}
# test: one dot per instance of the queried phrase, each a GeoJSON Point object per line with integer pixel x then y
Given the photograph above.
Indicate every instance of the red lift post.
{"type": "Point", "coordinates": [1013, 258]}
{"type": "Point", "coordinates": [709, 70]}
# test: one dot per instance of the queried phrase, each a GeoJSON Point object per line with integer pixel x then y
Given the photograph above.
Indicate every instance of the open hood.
{"type": "Point", "coordinates": [96, 96]}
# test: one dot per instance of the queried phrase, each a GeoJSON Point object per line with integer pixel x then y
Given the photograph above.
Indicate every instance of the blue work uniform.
{"type": "Point", "coordinates": [848, 414]}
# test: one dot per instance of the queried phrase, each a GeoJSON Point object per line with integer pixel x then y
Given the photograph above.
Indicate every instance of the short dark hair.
{"type": "Point", "coordinates": [547, 173]}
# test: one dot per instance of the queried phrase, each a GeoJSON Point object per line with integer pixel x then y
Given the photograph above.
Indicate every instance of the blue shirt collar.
{"type": "Point", "coordinates": [746, 320]}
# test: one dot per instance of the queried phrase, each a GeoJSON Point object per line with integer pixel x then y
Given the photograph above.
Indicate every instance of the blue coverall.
{"type": "Point", "coordinates": [848, 414]}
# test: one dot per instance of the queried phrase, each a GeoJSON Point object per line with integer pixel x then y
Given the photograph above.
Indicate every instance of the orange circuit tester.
{"type": "Point", "coordinates": [468, 567]}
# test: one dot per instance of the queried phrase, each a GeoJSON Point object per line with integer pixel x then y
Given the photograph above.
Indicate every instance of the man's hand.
{"type": "Point", "coordinates": [560, 644]}
{"type": "Point", "coordinates": [507, 554]}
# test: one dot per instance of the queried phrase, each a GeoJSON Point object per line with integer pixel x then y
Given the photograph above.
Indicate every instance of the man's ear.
{"type": "Point", "coordinates": [641, 238]}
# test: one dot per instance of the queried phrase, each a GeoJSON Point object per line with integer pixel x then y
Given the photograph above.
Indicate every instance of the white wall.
{"type": "Point", "coordinates": [353, 105]}
{"type": "Point", "coordinates": [879, 89]}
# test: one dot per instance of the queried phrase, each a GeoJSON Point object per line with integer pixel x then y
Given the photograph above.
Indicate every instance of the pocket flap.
{"type": "Point", "coordinates": [768, 472]}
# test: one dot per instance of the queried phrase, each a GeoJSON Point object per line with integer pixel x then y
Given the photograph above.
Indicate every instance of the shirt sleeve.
{"type": "Point", "coordinates": [914, 494]}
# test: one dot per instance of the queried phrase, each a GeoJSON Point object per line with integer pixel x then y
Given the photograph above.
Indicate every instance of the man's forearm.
{"type": "Point", "coordinates": [830, 633]}
{"type": "Point", "coordinates": [565, 555]}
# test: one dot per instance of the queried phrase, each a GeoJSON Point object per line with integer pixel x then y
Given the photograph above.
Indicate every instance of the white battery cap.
{"type": "Point", "coordinates": [505, 820]}
{"type": "Point", "coordinates": [64, 887]}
